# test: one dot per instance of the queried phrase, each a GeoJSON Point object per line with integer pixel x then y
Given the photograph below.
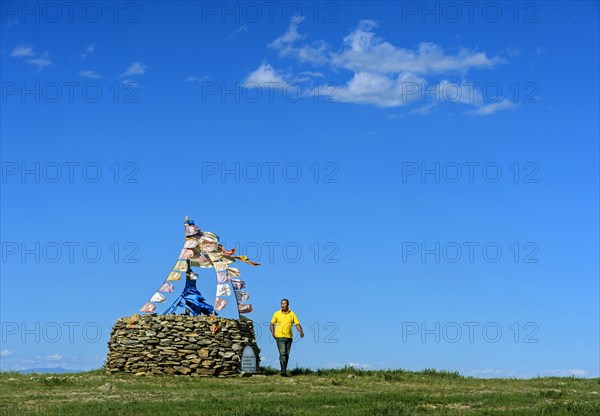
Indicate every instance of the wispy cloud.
{"type": "Point", "coordinates": [131, 84]}
{"type": "Point", "coordinates": [75, 362]}
{"type": "Point", "coordinates": [365, 51]}
{"type": "Point", "coordinates": [31, 57]}
{"type": "Point", "coordinates": [362, 366]}
{"type": "Point", "coordinates": [89, 74]}
{"type": "Point", "coordinates": [193, 78]}
{"type": "Point", "coordinates": [10, 24]}
{"type": "Point", "coordinates": [426, 109]}
{"type": "Point", "coordinates": [290, 36]}
{"type": "Point", "coordinates": [88, 51]}
{"type": "Point", "coordinates": [41, 61]}
{"type": "Point", "coordinates": [241, 29]}
{"type": "Point", "coordinates": [286, 45]}
{"type": "Point", "coordinates": [312, 74]}
{"type": "Point", "coordinates": [512, 52]}
{"type": "Point", "coordinates": [501, 373]}
{"type": "Point", "coordinates": [22, 51]}
{"type": "Point", "coordinates": [489, 373]}
{"type": "Point", "coordinates": [307, 76]}
{"type": "Point", "coordinates": [6, 353]}
{"type": "Point", "coordinates": [136, 68]}
{"type": "Point", "coordinates": [488, 109]}
{"type": "Point", "coordinates": [577, 372]}
{"type": "Point", "coordinates": [358, 366]}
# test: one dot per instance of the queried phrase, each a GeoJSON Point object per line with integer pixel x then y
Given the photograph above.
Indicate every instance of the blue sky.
{"type": "Point", "coordinates": [421, 184]}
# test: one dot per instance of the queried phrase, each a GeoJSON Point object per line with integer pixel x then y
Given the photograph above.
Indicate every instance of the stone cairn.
{"type": "Point", "coordinates": [179, 344]}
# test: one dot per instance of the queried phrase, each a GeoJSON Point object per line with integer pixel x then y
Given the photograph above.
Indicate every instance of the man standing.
{"type": "Point", "coordinates": [284, 319]}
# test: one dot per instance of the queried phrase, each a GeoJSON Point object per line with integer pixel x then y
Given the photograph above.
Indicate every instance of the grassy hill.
{"type": "Point", "coordinates": [344, 391]}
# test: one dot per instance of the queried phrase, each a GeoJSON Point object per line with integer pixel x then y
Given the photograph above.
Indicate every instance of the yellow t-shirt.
{"type": "Point", "coordinates": [283, 322]}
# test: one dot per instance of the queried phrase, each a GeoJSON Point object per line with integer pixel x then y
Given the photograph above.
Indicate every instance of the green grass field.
{"type": "Point", "coordinates": [344, 391]}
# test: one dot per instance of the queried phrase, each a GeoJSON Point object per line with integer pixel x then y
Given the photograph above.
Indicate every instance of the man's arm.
{"type": "Point", "coordinates": [299, 328]}
{"type": "Point", "coordinates": [273, 322]}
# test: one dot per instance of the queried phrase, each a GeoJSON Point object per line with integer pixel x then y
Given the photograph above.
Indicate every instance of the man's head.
{"type": "Point", "coordinates": [285, 304]}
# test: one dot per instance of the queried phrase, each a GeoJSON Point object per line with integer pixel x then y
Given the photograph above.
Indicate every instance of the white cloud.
{"type": "Point", "coordinates": [193, 78]}
{"type": "Point", "coordinates": [6, 353]}
{"type": "Point", "coordinates": [376, 89]}
{"type": "Point", "coordinates": [74, 362]}
{"type": "Point", "coordinates": [383, 74]}
{"type": "Point", "coordinates": [267, 361]}
{"type": "Point", "coordinates": [312, 74]}
{"type": "Point", "coordinates": [41, 61]}
{"type": "Point", "coordinates": [426, 109]}
{"type": "Point", "coordinates": [265, 76]}
{"type": "Point", "coordinates": [577, 372]}
{"type": "Point", "coordinates": [364, 51]}
{"type": "Point", "coordinates": [487, 109]}
{"type": "Point", "coordinates": [358, 366]}
{"type": "Point", "coordinates": [383, 91]}
{"type": "Point", "coordinates": [89, 74]}
{"type": "Point", "coordinates": [488, 372]}
{"type": "Point", "coordinates": [448, 92]}
{"type": "Point", "coordinates": [512, 52]}
{"type": "Point", "coordinates": [315, 53]}
{"type": "Point", "coordinates": [297, 19]}
{"type": "Point", "coordinates": [88, 51]}
{"type": "Point", "coordinates": [131, 84]}
{"type": "Point", "coordinates": [135, 68]}
{"type": "Point", "coordinates": [497, 373]}
{"type": "Point", "coordinates": [243, 28]}
{"type": "Point", "coordinates": [11, 23]}
{"type": "Point", "coordinates": [290, 36]}
{"type": "Point", "coordinates": [361, 366]}
{"type": "Point", "coordinates": [307, 76]}
{"type": "Point", "coordinates": [22, 51]}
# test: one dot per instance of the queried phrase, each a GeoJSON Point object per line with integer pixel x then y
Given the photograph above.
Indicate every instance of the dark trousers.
{"type": "Point", "coordinates": [284, 345]}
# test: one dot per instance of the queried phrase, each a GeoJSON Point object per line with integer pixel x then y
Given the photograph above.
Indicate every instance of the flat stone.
{"type": "Point", "coordinates": [206, 371]}
{"type": "Point", "coordinates": [106, 387]}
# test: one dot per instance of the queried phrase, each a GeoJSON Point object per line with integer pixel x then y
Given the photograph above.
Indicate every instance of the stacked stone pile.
{"type": "Point", "coordinates": [179, 344]}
